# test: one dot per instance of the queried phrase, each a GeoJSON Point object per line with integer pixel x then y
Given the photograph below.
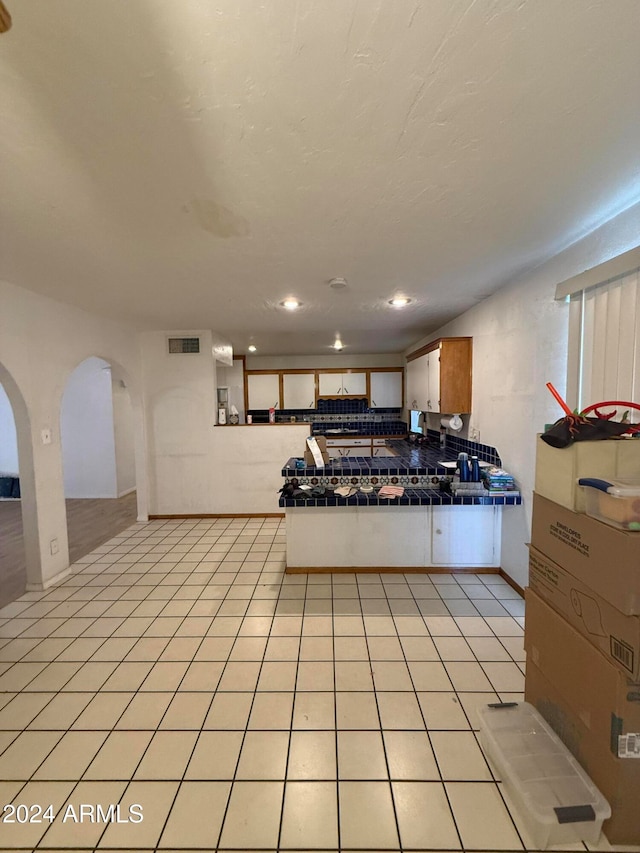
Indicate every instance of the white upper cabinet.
{"type": "Point", "coordinates": [299, 391]}
{"type": "Point", "coordinates": [354, 383]}
{"type": "Point", "coordinates": [263, 390]}
{"type": "Point", "coordinates": [342, 384]}
{"type": "Point", "coordinates": [417, 384]}
{"type": "Point", "coordinates": [386, 389]}
{"type": "Point", "coordinates": [433, 381]}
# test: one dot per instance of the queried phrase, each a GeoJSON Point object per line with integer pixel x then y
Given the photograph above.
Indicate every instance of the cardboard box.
{"type": "Point", "coordinates": [617, 636]}
{"type": "Point", "coordinates": [322, 444]}
{"type": "Point", "coordinates": [558, 469]}
{"type": "Point", "coordinates": [590, 704]}
{"type": "Point", "coordinates": [602, 557]}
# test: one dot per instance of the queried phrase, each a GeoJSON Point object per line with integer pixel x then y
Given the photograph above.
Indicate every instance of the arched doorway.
{"type": "Point", "coordinates": [98, 457]}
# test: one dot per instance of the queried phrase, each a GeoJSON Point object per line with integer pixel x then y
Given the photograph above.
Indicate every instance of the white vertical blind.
{"type": "Point", "coordinates": [604, 343]}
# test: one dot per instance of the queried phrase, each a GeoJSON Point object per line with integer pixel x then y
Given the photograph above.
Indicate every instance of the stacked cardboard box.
{"type": "Point", "coordinates": [582, 632]}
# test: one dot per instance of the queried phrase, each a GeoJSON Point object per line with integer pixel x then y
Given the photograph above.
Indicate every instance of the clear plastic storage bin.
{"type": "Point", "coordinates": [557, 801]}
{"type": "Point", "coordinates": [616, 502]}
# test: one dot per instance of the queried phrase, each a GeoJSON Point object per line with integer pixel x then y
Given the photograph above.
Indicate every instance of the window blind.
{"type": "Point", "coordinates": [604, 342]}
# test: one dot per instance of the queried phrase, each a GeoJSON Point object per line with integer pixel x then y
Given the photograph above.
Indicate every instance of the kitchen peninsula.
{"type": "Point", "coordinates": [423, 529]}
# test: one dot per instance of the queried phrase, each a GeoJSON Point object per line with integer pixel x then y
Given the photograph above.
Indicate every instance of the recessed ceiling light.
{"type": "Point", "coordinates": [338, 283]}
{"type": "Point", "coordinates": [399, 301]}
{"type": "Point", "coordinates": [252, 348]}
{"type": "Point", "coordinates": [290, 304]}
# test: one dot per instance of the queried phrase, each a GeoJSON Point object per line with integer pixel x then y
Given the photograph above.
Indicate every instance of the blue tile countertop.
{"type": "Point", "coordinates": [409, 459]}
{"type": "Point", "coordinates": [415, 468]}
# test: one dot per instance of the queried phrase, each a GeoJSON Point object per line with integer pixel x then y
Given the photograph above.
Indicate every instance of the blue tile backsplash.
{"type": "Point", "coordinates": [351, 414]}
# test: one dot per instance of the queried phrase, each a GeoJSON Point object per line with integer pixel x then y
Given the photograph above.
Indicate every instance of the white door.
{"type": "Point", "coordinates": [386, 389]}
{"type": "Point", "coordinates": [263, 390]}
{"type": "Point", "coordinates": [354, 383]}
{"type": "Point", "coordinates": [330, 384]}
{"type": "Point", "coordinates": [299, 391]}
{"type": "Point", "coordinates": [465, 535]}
{"type": "Point", "coordinates": [433, 381]}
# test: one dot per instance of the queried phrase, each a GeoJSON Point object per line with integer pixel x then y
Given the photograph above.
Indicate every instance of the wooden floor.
{"type": "Point", "coordinates": [90, 522]}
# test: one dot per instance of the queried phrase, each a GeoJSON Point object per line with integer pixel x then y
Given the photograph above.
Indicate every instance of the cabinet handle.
{"type": "Point", "coordinates": [339, 391]}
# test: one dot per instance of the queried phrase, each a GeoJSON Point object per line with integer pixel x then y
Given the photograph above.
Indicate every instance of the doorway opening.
{"type": "Point", "coordinates": [98, 458]}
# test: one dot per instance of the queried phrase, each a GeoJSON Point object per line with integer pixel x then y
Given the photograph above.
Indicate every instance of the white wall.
{"type": "Point", "coordinates": [310, 362]}
{"type": "Point", "coordinates": [197, 467]}
{"type": "Point", "coordinates": [41, 342]}
{"type": "Point", "coordinates": [86, 431]}
{"type": "Point", "coordinates": [8, 438]}
{"type": "Point", "coordinates": [123, 435]}
{"type": "Point", "coordinates": [519, 344]}
{"type": "Point", "coordinates": [180, 408]}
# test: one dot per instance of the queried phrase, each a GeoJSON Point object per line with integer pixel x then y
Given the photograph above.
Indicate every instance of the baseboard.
{"type": "Point", "coordinates": [397, 570]}
{"type": "Point", "coordinates": [39, 587]}
{"type": "Point", "coordinates": [218, 515]}
{"type": "Point", "coordinates": [511, 582]}
{"type": "Point", "coordinates": [126, 492]}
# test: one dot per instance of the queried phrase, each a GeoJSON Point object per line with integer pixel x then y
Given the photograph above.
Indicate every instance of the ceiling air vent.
{"type": "Point", "coordinates": [183, 345]}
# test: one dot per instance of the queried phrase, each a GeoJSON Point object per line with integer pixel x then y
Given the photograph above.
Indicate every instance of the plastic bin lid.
{"type": "Point", "coordinates": [619, 488]}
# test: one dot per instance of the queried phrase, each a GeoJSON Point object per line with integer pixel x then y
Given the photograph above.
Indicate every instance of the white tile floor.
{"type": "Point", "coordinates": [179, 669]}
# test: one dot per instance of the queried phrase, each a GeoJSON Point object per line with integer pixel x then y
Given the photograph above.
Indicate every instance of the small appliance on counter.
{"type": "Point", "coordinates": [223, 406]}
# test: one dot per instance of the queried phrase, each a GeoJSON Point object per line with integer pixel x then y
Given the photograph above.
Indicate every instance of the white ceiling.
{"type": "Point", "coordinates": [187, 165]}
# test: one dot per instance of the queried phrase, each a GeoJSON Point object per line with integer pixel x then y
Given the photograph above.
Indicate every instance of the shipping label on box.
{"type": "Point", "coordinates": [616, 635]}
{"type": "Point", "coordinates": [602, 557]}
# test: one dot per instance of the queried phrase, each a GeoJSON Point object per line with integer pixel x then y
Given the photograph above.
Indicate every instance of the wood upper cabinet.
{"type": "Point", "coordinates": [439, 376]}
{"type": "Point", "coordinates": [385, 389]}
{"type": "Point", "coordinates": [263, 390]}
{"type": "Point", "coordinates": [299, 390]}
{"type": "Point", "coordinates": [346, 384]}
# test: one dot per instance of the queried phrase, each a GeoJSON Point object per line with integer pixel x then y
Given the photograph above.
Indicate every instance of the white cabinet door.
{"type": "Point", "coordinates": [354, 383]}
{"type": "Point", "coordinates": [433, 381]}
{"type": "Point", "coordinates": [299, 391]}
{"type": "Point", "coordinates": [465, 535]}
{"type": "Point", "coordinates": [417, 378]}
{"type": "Point", "coordinates": [263, 390]}
{"type": "Point", "coordinates": [330, 384]}
{"type": "Point", "coordinates": [383, 451]}
{"type": "Point", "coordinates": [386, 389]}
{"type": "Point", "coordinates": [342, 384]}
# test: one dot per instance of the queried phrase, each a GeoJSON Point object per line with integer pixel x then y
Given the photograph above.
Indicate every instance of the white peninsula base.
{"type": "Point", "coordinates": [393, 538]}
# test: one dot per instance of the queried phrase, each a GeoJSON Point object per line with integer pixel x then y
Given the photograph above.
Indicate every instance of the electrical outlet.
{"type": "Point", "coordinates": [53, 545]}
{"type": "Point", "coordinates": [474, 434]}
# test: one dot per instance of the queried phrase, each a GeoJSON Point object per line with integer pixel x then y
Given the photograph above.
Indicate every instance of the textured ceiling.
{"type": "Point", "coordinates": [190, 164]}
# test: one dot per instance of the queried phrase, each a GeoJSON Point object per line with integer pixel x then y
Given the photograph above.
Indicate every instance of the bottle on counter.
{"type": "Point", "coordinates": [475, 470]}
{"type": "Point", "coordinates": [463, 467]}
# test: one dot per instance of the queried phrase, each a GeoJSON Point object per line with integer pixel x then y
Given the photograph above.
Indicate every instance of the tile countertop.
{"type": "Point", "coordinates": [412, 467]}
{"type": "Point", "coordinates": [409, 459]}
